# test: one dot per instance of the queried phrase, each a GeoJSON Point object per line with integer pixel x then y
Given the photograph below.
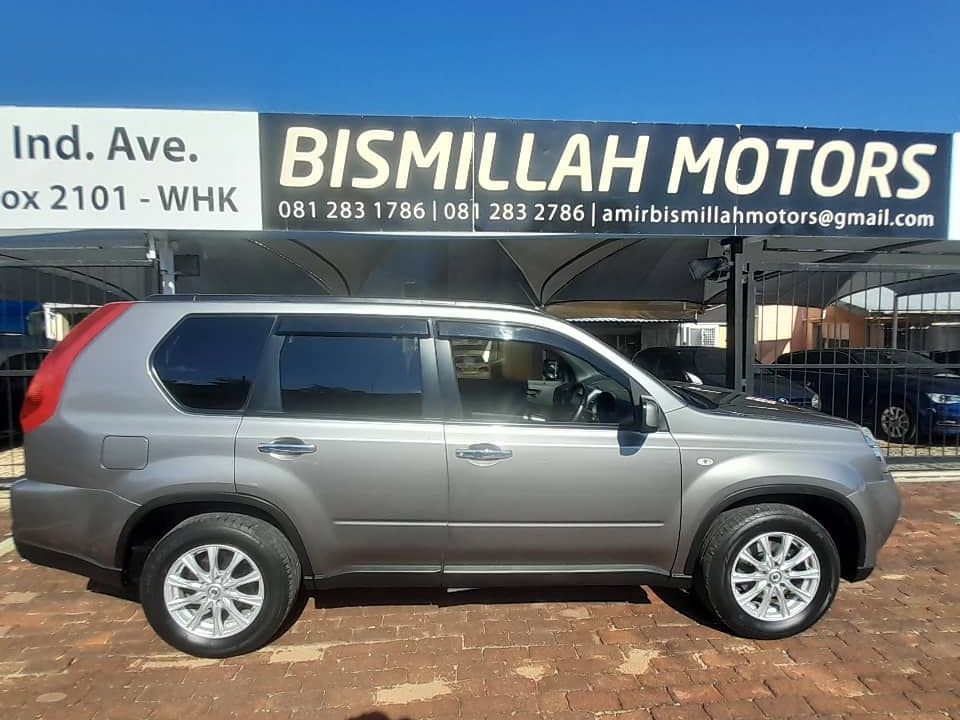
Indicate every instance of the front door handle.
{"type": "Point", "coordinates": [484, 452]}
{"type": "Point", "coordinates": [287, 446]}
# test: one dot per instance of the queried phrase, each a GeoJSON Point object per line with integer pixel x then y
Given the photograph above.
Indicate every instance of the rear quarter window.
{"type": "Point", "coordinates": [208, 363]}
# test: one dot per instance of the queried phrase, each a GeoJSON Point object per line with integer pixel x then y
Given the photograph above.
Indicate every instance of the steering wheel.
{"type": "Point", "coordinates": [587, 398]}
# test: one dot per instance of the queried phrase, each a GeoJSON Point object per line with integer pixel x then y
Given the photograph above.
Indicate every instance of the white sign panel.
{"type": "Point", "coordinates": [77, 168]}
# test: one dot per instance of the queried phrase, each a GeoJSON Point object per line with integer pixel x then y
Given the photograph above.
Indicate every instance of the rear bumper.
{"type": "Point", "coordinates": [70, 528]}
{"type": "Point", "coordinates": [112, 577]}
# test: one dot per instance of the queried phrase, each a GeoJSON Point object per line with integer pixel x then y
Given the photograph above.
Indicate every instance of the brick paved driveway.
{"type": "Point", "coordinates": [890, 647]}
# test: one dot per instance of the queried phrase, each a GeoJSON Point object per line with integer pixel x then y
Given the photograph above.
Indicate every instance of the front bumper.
{"type": "Point", "coordinates": [69, 528]}
{"type": "Point", "coordinates": [942, 420]}
{"type": "Point", "coordinates": [879, 506]}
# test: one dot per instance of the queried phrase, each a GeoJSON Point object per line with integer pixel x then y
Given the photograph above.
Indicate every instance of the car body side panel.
{"type": "Point", "coordinates": [568, 498]}
{"type": "Point", "coordinates": [755, 452]}
{"type": "Point", "coordinates": [373, 495]}
{"type": "Point", "coordinates": [82, 521]}
{"type": "Point", "coordinates": [111, 391]}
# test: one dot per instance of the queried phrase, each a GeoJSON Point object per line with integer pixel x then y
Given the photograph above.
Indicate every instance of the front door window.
{"type": "Point", "coordinates": [518, 381]}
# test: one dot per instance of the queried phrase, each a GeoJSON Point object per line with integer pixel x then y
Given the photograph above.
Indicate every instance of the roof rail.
{"type": "Point", "coordinates": [332, 299]}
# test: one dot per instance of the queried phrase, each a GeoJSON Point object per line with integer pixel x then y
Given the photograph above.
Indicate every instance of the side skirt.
{"type": "Point", "coordinates": [493, 578]}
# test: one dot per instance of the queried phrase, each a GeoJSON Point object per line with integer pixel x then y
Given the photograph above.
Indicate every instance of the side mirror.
{"type": "Point", "coordinates": [694, 379]}
{"type": "Point", "coordinates": [648, 415]}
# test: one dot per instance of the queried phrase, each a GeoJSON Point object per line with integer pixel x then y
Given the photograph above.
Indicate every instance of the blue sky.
{"type": "Point", "coordinates": [878, 64]}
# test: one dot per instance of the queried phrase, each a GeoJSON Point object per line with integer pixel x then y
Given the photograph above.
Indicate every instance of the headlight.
{"type": "Point", "coordinates": [815, 402]}
{"type": "Point", "coordinates": [943, 398]}
{"type": "Point", "coordinates": [872, 442]}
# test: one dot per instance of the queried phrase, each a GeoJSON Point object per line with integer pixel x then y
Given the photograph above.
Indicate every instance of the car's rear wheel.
{"type": "Point", "coordinates": [219, 584]}
{"type": "Point", "coordinates": [768, 571]}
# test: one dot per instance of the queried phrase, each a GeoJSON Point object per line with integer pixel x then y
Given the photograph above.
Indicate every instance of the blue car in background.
{"type": "Point", "coordinates": [902, 396]}
{"type": "Point", "coordinates": [701, 365]}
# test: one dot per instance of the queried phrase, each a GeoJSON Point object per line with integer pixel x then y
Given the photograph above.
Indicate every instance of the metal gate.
{"type": "Point", "coordinates": [877, 343]}
{"type": "Point", "coordinates": [39, 303]}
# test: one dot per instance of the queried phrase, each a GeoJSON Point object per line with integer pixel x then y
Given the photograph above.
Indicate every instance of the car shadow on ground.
{"type": "Point", "coordinates": [681, 601]}
{"type": "Point", "coordinates": [687, 604]}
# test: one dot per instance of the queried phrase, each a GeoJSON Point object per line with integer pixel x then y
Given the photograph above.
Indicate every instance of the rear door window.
{"type": "Point", "coordinates": [362, 377]}
{"type": "Point", "coordinates": [208, 363]}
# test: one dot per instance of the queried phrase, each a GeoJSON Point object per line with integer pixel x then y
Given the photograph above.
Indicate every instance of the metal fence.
{"type": "Point", "coordinates": [877, 345]}
{"type": "Point", "coordinates": [39, 303]}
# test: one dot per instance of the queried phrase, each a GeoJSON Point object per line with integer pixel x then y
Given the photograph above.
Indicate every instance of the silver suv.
{"type": "Point", "coordinates": [221, 454]}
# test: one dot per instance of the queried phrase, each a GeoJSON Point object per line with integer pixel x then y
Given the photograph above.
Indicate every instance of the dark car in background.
{"type": "Point", "coordinates": [17, 369]}
{"type": "Point", "coordinates": [945, 357]}
{"type": "Point", "coordinates": [708, 366]}
{"type": "Point", "coordinates": [902, 395]}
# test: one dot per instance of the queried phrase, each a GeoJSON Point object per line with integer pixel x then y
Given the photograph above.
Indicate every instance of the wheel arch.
{"type": "Point", "coordinates": [831, 509]}
{"type": "Point", "coordinates": [157, 517]}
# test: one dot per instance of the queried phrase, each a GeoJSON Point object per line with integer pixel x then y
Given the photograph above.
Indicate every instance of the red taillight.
{"type": "Point", "coordinates": [43, 395]}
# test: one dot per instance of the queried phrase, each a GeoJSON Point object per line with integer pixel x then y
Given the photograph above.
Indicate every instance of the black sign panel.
{"type": "Point", "coordinates": [321, 172]}
{"type": "Point", "coordinates": [460, 175]}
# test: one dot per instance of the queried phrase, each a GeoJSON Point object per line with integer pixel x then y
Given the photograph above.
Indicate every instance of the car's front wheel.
{"type": "Point", "coordinates": [219, 584]}
{"type": "Point", "coordinates": [898, 422]}
{"type": "Point", "coordinates": [768, 571]}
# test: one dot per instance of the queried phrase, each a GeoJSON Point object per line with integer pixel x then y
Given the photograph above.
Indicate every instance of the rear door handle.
{"type": "Point", "coordinates": [287, 446]}
{"type": "Point", "coordinates": [483, 453]}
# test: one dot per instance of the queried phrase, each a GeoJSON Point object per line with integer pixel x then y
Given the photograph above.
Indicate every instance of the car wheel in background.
{"type": "Point", "coordinates": [220, 584]}
{"type": "Point", "coordinates": [768, 571]}
{"type": "Point", "coordinates": [897, 421]}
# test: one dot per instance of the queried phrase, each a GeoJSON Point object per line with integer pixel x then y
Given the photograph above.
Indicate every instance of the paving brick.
{"type": "Point", "coordinates": [929, 701]}
{"type": "Point", "coordinates": [593, 701]}
{"type": "Point", "coordinates": [680, 712]}
{"type": "Point", "coordinates": [735, 710]}
{"type": "Point", "coordinates": [824, 704]}
{"type": "Point", "coordinates": [700, 694]}
{"type": "Point", "coordinates": [787, 706]}
{"type": "Point", "coordinates": [645, 697]}
{"type": "Point", "coordinates": [552, 701]}
{"type": "Point", "coordinates": [887, 703]}
{"type": "Point", "coordinates": [744, 690]}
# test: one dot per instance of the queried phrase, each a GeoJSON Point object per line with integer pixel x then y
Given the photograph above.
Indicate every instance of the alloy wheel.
{"type": "Point", "coordinates": [775, 576]}
{"type": "Point", "coordinates": [214, 591]}
{"type": "Point", "coordinates": [895, 422]}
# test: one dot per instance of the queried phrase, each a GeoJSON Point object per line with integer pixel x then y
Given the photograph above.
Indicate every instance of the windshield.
{"type": "Point", "coordinates": [698, 395]}
{"type": "Point", "coordinates": [712, 361]}
{"type": "Point", "coordinates": [892, 357]}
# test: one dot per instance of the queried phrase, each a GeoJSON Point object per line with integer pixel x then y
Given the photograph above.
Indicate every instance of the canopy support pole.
{"type": "Point", "coordinates": [741, 310]}
{"type": "Point", "coordinates": [896, 319]}
{"type": "Point", "coordinates": [160, 249]}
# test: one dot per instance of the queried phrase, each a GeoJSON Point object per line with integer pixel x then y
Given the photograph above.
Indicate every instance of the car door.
{"type": "Point", "coordinates": [344, 433]}
{"type": "Point", "coordinates": [833, 382]}
{"type": "Point", "coordinates": [535, 491]}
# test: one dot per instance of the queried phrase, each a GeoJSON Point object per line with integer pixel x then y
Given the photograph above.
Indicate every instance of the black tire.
{"type": "Point", "coordinates": [897, 406]}
{"type": "Point", "coordinates": [734, 530]}
{"type": "Point", "coordinates": [263, 543]}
